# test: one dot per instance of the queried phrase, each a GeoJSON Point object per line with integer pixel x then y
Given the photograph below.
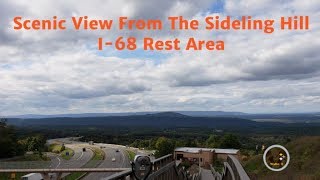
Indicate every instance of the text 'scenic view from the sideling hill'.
{"type": "Point", "coordinates": [160, 90]}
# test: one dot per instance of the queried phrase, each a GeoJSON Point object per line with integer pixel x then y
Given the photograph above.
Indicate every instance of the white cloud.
{"type": "Point", "coordinates": [61, 72]}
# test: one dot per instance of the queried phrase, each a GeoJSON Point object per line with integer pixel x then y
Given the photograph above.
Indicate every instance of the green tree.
{"type": "Point", "coordinates": [164, 146]}
{"type": "Point", "coordinates": [230, 141]}
{"type": "Point", "coordinates": [63, 147]}
{"type": "Point", "coordinates": [191, 143]}
{"type": "Point", "coordinates": [8, 141]}
{"type": "Point", "coordinates": [34, 143]}
{"type": "Point", "coordinates": [213, 141]}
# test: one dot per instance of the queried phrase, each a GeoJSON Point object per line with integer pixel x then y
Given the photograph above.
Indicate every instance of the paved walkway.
{"type": "Point", "coordinates": [206, 175]}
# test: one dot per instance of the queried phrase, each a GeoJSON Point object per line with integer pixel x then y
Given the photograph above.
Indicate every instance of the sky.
{"type": "Point", "coordinates": [56, 72]}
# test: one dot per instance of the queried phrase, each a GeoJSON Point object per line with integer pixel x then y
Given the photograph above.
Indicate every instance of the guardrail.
{"type": "Point", "coordinates": [45, 173]}
{"type": "Point", "coordinates": [25, 164]}
{"type": "Point", "coordinates": [63, 170]}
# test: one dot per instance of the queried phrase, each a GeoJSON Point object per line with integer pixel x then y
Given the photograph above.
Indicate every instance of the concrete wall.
{"type": "Point", "coordinates": [205, 156]}
{"type": "Point", "coordinates": [225, 156]}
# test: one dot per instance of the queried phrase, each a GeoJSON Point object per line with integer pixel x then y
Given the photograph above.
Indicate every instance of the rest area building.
{"type": "Point", "coordinates": [203, 156]}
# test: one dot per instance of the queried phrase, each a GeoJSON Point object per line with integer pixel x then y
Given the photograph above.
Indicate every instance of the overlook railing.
{"type": "Point", "coordinates": [233, 170]}
{"type": "Point", "coordinates": [163, 168]}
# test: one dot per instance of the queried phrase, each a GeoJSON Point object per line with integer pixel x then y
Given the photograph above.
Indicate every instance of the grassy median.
{"type": "Point", "coordinates": [67, 154]}
{"type": "Point", "coordinates": [131, 155]}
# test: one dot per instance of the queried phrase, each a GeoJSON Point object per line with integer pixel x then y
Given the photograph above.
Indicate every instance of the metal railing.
{"type": "Point", "coordinates": [216, 175]}
{"type": "Point", "coordinates": [65, 170]}
{"type": "Point", "coordinates": [163, 168]}
{"type": "Point", "coordinates": [233, 170]}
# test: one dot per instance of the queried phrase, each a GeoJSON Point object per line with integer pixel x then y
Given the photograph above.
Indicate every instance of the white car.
{"type": "Point", "coordinates": [113, 159]}
{"type": "Point", "coordinates": [35, 176]}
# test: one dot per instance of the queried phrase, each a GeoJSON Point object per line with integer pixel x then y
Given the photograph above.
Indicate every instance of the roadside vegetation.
{"type": "Point", "coordinates": [16, 147]}
{"type": "Point", "coordinates": [67, 154]}
{"type": "Point", "coordinates": [131, 155]}
{"type": "Point", "coordinates": [218, 165]}
{"type": "Point", "coordinates": [98, 156]}
{"type": "Point", "coordinates": [56, 148]}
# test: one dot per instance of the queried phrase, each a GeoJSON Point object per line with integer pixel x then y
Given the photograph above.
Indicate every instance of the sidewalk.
{"type": "Point", "coordinates": [206, 175]}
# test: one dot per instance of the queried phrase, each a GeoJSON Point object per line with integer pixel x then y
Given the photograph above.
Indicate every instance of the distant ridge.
{"type": "Point", "coordinates": [159, 120]}
{"type": "Point", "coordinates": [276, 117]}
{"type": "Point", "coordinates": [187, 113]}
{"type": "Point", "coordinates": [211, 113]}
{"type": "Point", "coordinates": [168, 114]}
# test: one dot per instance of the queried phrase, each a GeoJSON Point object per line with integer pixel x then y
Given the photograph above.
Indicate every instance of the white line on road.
{"type": "Point", "coordinates": [80, 156]}
{"type": "Point", "coordinates": [123, 157]}
{"type": "Point", "coordinates": [59, 162]}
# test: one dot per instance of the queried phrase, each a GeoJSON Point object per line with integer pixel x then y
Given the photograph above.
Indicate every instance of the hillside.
{"type": "Point", "coordinates": [164, 120]}
{"type": "Point", "coordinates": [188, 113]}
{"type": "Point", "coordinates": [304, 163]}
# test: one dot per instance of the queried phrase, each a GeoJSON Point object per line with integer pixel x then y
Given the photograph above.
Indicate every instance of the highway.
{"type": "Point", "coordinates": [80, 158]}
{"type": "Point", "coordinates": [121, 161]}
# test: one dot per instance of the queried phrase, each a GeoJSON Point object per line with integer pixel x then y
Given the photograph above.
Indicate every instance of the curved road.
{"type": "Point", "coordinates": [121, 161]}
{"type": "Point", "coordinates": [79, 159]}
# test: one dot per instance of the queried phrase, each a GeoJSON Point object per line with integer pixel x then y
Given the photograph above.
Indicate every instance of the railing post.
{"type": "Point", "coordinates": [45, 176]}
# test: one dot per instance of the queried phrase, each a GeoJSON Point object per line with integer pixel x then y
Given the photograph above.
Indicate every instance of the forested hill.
{"type": "Point", "coordinates": [165, 119]}
{"type": "Point", "coordinates": [304, 161]}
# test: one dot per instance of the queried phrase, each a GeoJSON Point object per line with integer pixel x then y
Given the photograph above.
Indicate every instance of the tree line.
{"type": "Point", "coordinates": [12, 145]}
{"type": "Point", "coordinates": [164, 145]}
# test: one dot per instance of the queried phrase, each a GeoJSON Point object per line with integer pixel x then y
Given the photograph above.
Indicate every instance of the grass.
{"type": "Point", "coordinates": [218, 165]}
{"type": "Point", "coordinates": [74, 176]}
{"type": "Point", "coordinates": [6, 176]}
{"type": "Point", "coordinates": [56, 148]}
{"type": "Point", "coordinates": [27, 157]}
{"type": "Point", "coordinates": [62, 150]}
{"type": "Point", "coordinates": [32, 157]}
{"type": "Point", "coordinates": [131, 155]}
{"type": "Point", "coordinates": [98, 156]}
{"type": "Point", "coordinates": [64, 154]}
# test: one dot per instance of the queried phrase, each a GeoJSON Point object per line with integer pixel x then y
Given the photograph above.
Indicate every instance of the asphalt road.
{"type": "Point", "coordinates": [79, 159]}
{"type": "Point", "coordinates": [121, 161]}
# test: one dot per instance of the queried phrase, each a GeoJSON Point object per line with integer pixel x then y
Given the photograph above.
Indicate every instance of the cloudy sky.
{"type": "Point", "coordinates": [62, 72]}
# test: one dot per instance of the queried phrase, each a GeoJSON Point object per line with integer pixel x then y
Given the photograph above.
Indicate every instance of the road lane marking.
{"type": "Point", "coordinates": [123, 157]}
{"type": "Point", "coordinates": [80, 156]}
{"type": "Point", "coordinates": [59, 162]}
